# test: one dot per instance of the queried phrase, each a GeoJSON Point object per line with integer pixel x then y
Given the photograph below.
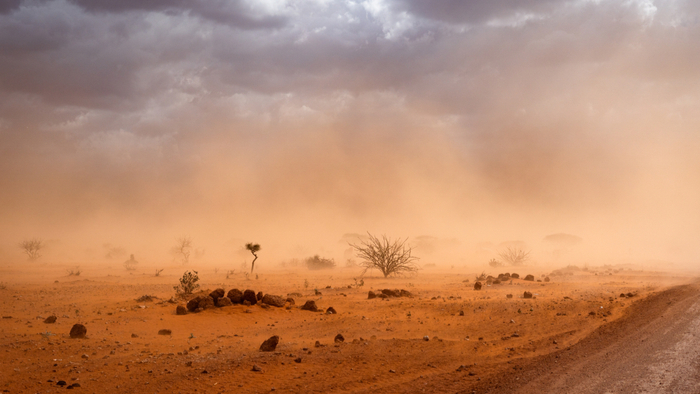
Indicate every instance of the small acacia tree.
{"type": "Point", "coordinates": [514, 256]}
{"type": "Point", "coordinates": [390, 257]}
{"type": "Point", "coordinates": [32, 247]}
{"type": "Point", "coordinates": [183, 248]}
{"type": "Point", "coordinates": [253, 248]}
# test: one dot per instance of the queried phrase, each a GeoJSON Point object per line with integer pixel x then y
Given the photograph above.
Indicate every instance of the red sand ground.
{"type": "Point", "coordinates": [214, 351]}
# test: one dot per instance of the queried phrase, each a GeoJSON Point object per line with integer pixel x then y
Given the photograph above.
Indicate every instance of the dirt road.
{"type": "Point", "coordinates": [655, 348]}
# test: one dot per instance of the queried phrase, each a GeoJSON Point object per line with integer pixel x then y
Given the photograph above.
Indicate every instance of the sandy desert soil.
{"type": "Point", "coordinates": [214, 351]}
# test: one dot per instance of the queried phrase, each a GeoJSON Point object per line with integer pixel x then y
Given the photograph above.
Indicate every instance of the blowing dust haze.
{"type": "Point", "coordinates": [463, 126]}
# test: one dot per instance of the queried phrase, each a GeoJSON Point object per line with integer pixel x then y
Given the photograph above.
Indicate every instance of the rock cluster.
{"type": "Point", "coordinates": [219, 298]}
{"type": "Point", "coordinates": [387, 293]}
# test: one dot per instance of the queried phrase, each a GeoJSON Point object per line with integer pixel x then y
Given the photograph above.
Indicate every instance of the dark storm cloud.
{"type": "Point", "coordinates": [233, 13]}
{"type": "Point", "coordinates": [7, 6]}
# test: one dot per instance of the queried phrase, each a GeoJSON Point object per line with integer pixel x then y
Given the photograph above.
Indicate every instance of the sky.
{"type": "Point", "coordinates": [463, 126]}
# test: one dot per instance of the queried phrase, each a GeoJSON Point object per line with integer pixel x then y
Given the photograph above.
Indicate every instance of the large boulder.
{"type": "Point", "coordinates": [270, 344]}
{"type": "Point", "coordinates": [235, 295]}
{"type": "Point", "coordinates": [259, 296]}
{"type": "Point", "coordinates": [193, 304]}
{"type": "Point", "coordinates": [392, 293]}
{"type": "Point", "coordinates": [531, 278]}
{"type": "Point", "coordinates": [310, 305]}
{"type": "Point", "coordinates": [50, 320]}
{"type": "Point", "coordinates": [405, 293]}
{"type": "Point", "coordinates": [249, 295]}
{"type": "Point", "coordinates": [477, 286]}
{"type": "Point", "coordinates": [273, 300]}
{"type": "Point", "coordinates": [527, 294]}
{"type": "Point", "coordinates": [371, 295]}
{"type": "Point", "coordinates": [223, 301]}
{"type": "Point", "coordinates": [206, 303]}
{"type": "Point", "coordinates": [78, 331]}
{"type": "Point", "coordinates": [216, 294]}
{"type": "Point", "coordinates": [515, 276]}
{"type": "Point", "coordinates": [180, 310]}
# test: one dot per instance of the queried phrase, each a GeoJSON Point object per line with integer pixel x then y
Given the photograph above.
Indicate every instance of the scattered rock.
{"type": "Point", "coordinates": [259, 296]}
{"type": "Point", "coordinates": [180, 310]}
{"type": "Point", "coordinates": [134, 335]}
{"type": "Point", "coordinates": [426, 338]}
{"type": "Point", "coordinates": [546, 278]}
{"type": "Point", "coordinates": [235, 295]}
{"type": "Point", "coordinates": [249, 295]}
{"type": "Point", "coordinates": [206, 303]}
{"type": "Point", "coordinates": [146, 298]}
{"type": "Point", "coordinates": [165, 331]}
{"type": "Point", "coordinates": [371, 295]}
{"type": "Point", "coordinates": [61, 383]}
{"type": "Point", "coordinates": [331, 311]}
{"type": "Point", "coordinates": [496, 282]}
{"type": "Point", "coordinates": [509, 296]}
{"type": "Point", "coordinates": [310, 305]}
{"type": "Point", "coordinates": [623, 295]}
{"type": "Point", "coordinates": [290, 300]}
{"type": "Point", "coordinates": [297, 360]}
{"type": "Point", "coordinates": [461, 313]}
{"type": "Point", "coordinates": [318, 293]}
{"type": "Point", "coordinates": [392, 293]}
{"type": "Point", "coordinates": [515, 276]}
{"type": "Point", "coordinates": [256, 368]}
{"type": "Point", "coordinates": [223, 301]}
{"type": "Point", "coordinates": [630, 295]}
{"type": "Point", "coordinates": [193, 304]}
{"type": "Point", "coordinates": [216, 294]}
{"type": "Point", "coordinates": [85, 356]}
{"type": "Point", "coordinates": [477, 286]}
{"type": "Point", "coordinates": [50, 320]}
{"type": "Point", "coordinates": [317, 344]}
{"type": "Point", "coordinates": [591, 313]}
{"type": "Point", "coordinates": [273, 300]}
{"type": "Point", "coordinates": [78, 331]}
{"type": "Point", "coordinates": [339, 338]}
{"type": "Point", "coordinates": [270, 344]}
{"type": "Point", "coordinates": [530, 278]}
{"type": "Point", "coordinates": [73, 386]}
{"type": "Point", "coordinates": [527, 294]}
{"type": "Point", "coordinates": [406, 293]}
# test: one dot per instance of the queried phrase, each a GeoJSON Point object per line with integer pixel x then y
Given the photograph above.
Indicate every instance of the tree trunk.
{"type": "Point", "coordinates": [252, 266]}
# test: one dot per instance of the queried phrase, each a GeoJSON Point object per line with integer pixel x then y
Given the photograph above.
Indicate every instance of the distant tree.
{"type": "Point", "coordinates": [253, 248]}
{"type": "Point", "coordinates": [183, 249]}
{"type": "Point", "coordinates": [319, 263]}
{"type": "Point", "coordinates": [390, 257]}
{"type": "Point", "coordinates": [495, 263]}
{"type": "Point", "coordinates": [131, 264]}
{"type": "Point", "coordinates": [514, 256]}
{"type": "Point", "coordinates": [32, 247]}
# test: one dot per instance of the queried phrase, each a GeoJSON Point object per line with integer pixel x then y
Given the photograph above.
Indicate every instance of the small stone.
{"type": "Point", "coordinates": [134, 335]}
{"type": "Point", "coordinates": [85, 356]}
{"type": "Point", "coordinates": [509, 296]}
{"type": "Point", "coordinates": [527, 294]}
{"type": "Point", "coordinates": [270, 344]}
{"type": "Point", "coordinates": [180, 310]}
{"type": "Point", "coordinates": [50, 320]}
{"type": "Point", "coordinates": [339, 338]}
{"type": "Point", "coordinates": [371, 295]}
{"type": "Point", "coordinates": [461, 313]}
{"type": "Point", "coordinates": [426, 338]}
{"type": "Point", "coordinates": [78, 331]}
{"type": "Point", "coordinates": [331, 311]}
{"type": "Point", "coordinates": [477, 286]}
{"type": "Point", "coordinates": [256, 368]}
{"type": "Point", "coordinates": [297, 360]}
{"type": "Point", "coordinates": [61, 383]}
{"type": "Point", "coordinates": [310, 305]}
{"type": "Point", "coordinates": [165, 331]}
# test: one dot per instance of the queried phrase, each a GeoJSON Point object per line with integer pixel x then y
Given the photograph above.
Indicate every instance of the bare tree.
{"type": "Point", "coordinates": [32, 247]}
{"type": "Point", "coordinates": [390, 257]}
{"type": "Point", "coordinates": [253, 248]}
{"type": "Point", "coordinates": [183, 248]}
{"type": "Point", "coordinates": [514, 256]}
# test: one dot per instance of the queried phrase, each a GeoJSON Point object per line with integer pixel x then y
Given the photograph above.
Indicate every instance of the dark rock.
{"type": "Point", "coordinates": [270, 344]}
{"type": "Point", "coordinates": [546, 278]}
{"type": "Point", "coordinates": [405, 293]}
{"type": "Point", "coordinates": [249, 295]}
{"type": "Point", "coordinates": [461, 313]}
{"type": "Point", "coordinates": [165, 331]}
{"type": "Point", "coordinates": [206, 303]}
{"type": "Point", "coordinates": [630, 295]}
{"type": "Point", "coordinates": [61, 383]}
{"type": "Point", "coordinates": [259, 296]}
{"type": "Point", "coordinates": [310, 305]}
{"type": "Point", "coordinates": [273, 300]}
{"type": "Point", "coordinates": [504, 277]}
{"type": "Point", "coordinates": [509, 296]}
{"type": "Point", "coordinates": [371, 295]}
{"type": "Point", "coordinates": [216, 294]}
{"type": "Point", "coordinates": [530, 278]}
{"type": "Point", "coordinates": [235, 295]}
{"type": "Point", "coordinates": [246, 303]}
{"type": "Point", "coordinates": [180, 310]}
{"type": "Point", "coordinates": [318, 293]}
{"type": "Point", "coordinates": [78, 331]}
{"type": "Point", "coordinates": [527, 294]}
{"type": "Point", "coordinates": [223, 301]}
{"type": "Point", "coordinates": [477, 286]}
{"type": "Point", "coordinates": [591, 313]}
{"type": "Point", "coordinates": [382, 295]}
{"type": "Point", "coordinates": [290, 300]}
{"type": "Point", "coordinates": [297, 360]}
{"type": "Point", "coordinates": [515, 276]}
{"type": "Point", "coordinates": [496, 282]}
{"type": "Point", "coordinates": [50, 320]}
{"type": "Point", "coordinates": [74, 386]}
{"type": "Point", "coordinates": [623, 295]}
{"type": "Point", "coordinates": [256, 368]}
{"type": "Point", "coordinates": [339, 338]}
{"type": "Point", "coordinates": [392, 293]}
{"type": "Point", "coordinates": [134, 335]}
{"type": "Point", "coordinates": [331, 311]}
{"type": "Point", "coordinates": [193, 304]}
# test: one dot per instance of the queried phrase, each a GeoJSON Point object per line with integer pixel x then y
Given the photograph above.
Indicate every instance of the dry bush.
{"type": "Point", "coordinates": [390, 257]}
{"type": "Point", "coordinates": [188, 283]}
{"type": "Point", "coordinates": [514, 256]}
{"type": "Point", "coordinates": [495, 263]}
{"type": "Point", "coordinates": [319, 263]}
{"type": "Point", "coordinates": [32, 247]}
{"type": "Point", "coordinates": [74, 271]}
{"type": "Point", "coordinates": [183, 249]}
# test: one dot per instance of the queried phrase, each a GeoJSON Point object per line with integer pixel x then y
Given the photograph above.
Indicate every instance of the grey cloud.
{"type": "Point", "coordinates": [474, 11]}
